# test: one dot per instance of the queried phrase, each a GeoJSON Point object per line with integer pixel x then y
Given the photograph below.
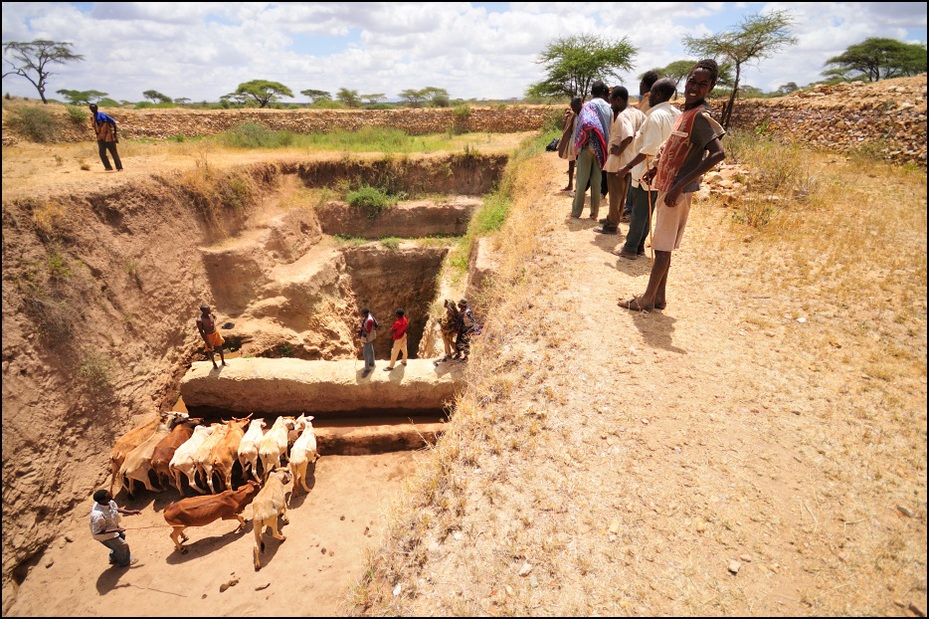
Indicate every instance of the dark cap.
{"type": "Point", "coordinates": [204, 308]}
{"type": "Point", "coordinates": [102, 496]}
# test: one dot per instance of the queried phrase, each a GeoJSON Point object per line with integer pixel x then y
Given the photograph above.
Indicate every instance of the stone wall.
{"type": "Point", "coordinates": [887, 119]}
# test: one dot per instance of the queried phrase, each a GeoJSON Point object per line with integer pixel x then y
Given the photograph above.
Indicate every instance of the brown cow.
{"type": "Point", "coordinates": [164, 450]}
{"type": "Point", "coordinates": [138, 462]}
{"type": "Point", "coordinates": [129, 441]}
{"type": "Point", "coordinates": [267, 506]}
{"type": "Point", "coordinates": [226, 453]}
{"type": "Point", "coordinates": [198, 511]}
{"type": "Point", "coordinates": [132, 439]}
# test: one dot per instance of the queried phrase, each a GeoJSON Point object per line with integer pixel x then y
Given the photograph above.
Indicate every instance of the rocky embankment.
{"type": "Point", "coordinates": [886, 118]}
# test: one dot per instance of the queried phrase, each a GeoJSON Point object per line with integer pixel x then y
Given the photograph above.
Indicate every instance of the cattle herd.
{"type": "Point", "coordinates": [193, 457]}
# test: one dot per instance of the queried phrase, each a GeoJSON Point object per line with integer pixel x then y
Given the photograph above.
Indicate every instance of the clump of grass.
{"type": "Point", "coordinates": [462, 115]}
{"type": "Point", "coordinates": [34, 123]}
{"type": "Point", "coordinates": [783, 178]}
{"type": "Point", "coordinates": [212, 193]}
{"type": "Point", "coordinates": [391, 242]}
{"type": "Point", "coordinates": [374, 199]}
{"type": "Point", "coordinates": [255, 135]}
{"type": "Point", "coordinates": [50, 220]}
{"type": "Point", "coordinates": [96, 373]}
{"type": "Point", "coordinates": [78, 115]}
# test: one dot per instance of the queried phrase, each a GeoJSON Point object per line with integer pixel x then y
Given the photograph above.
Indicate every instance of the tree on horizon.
{"type": "Point", "coordinates": [34, 57]}
{"type": "Point", "coordinates": [572, 64]}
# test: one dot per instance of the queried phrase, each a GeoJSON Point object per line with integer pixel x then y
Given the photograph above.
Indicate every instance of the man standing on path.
{"type": "Point", "coordinates": [105, 128]}
{"type": "Point", "coordinates": [566, 143]}
{"type": "Point", "coordinates": [209, 331]}
{"type": "Point", "coordinates": [104, 526]}
{"type": "Point", "coordinates": [367, 332]}
{"type": "Point", "coordinates": [590, 143]}
{"type": "Point", "coordinates": [399, 334]}
{"type": "Point", "coordinates": [626, 121]}
{"type": "Point", "coordinates": [691, 151]}
{"type": "Point", "coordinates": [659, 120]}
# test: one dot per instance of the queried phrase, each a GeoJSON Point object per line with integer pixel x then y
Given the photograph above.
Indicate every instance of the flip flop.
{"type": "Point", "coordinates": [633, 304]}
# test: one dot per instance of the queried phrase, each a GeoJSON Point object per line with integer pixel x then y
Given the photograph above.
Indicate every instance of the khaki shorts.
{"type": "Point", "coordinates": [670, 222]}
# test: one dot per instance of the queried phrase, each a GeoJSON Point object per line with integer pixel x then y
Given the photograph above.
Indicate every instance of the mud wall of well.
{"type": "Point", "coordinates": [100, 294]}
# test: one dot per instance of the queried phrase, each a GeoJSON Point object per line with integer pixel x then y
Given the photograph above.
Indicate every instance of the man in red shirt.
{"type": "Point", "coordinates": [399, 332]}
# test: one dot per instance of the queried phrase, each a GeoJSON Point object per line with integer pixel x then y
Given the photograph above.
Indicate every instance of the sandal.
{"type": "Point", "coordinates": [633, 304]}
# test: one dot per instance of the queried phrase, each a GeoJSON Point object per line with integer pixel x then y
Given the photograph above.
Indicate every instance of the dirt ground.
{"type": "Point", "coordinates": [330, 531]}
{"type": "Point", "coordinates": [714, 458]}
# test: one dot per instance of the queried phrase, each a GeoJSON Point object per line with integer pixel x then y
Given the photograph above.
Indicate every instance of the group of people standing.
{"type": "Point", "coordinates": [654, 157]}
{"type": "Point", "coordinates": [457, 325]}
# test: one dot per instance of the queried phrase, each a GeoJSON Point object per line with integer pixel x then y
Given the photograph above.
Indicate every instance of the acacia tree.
{"type": "Point", "coordinates": [878, 58]}
{"type": "Point", "coordinates": [157, 97]}
{"type": "Point", "coordinates": [31, 60]}
{"type": "Point", "coordinates": [262, 92]}
{"type": "Point", "coordinates": [755, 38]}
{"type": "Point", "coordinates": [573, 63]}
{"type": "Point", "coordinates": [350, 98]}
{"type": "Point", "coordinates": [81, 97]}
{"type": "Point", "coordinates": [316, 95]}
{"type": "Point", "coordinates": [413, 97]}
{"type": "Point", "coordinates": [373, 98]}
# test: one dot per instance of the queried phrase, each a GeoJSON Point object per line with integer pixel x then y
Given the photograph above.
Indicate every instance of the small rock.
{"type": "Point", "coordinates": [919, 610]}
{"type": "Point", "coordinates": [900, 603]}
{"type": "Point", "coordinates": [262, 587]}
{"type": "Point", "coordinates": [323, 551]}
{"type": "Point", "coordinates": [525, 569]}
{"type": "Point", "coordinates": [795, 412]}
{"type": "Point", "coordinates": [509, 590]}
{"type": "Point", "coordinates": [774, 567]}
{"type": "Point", "coordinates": [332, 553]}
{"type": "Point", "coordinates": [341, 517]}
{"type": "Point", "coordinates": [50, 563]}
{"type": "Point", "coordinates": [906, 511]}
{"type": "Point", "coordinates": [734, 567]}
{"type": "Point", "coordinates": [226, 585]}
{"type": "Point", "coordinates": [801, 320]}
{"type": "Point", "coordinates": [614, 527]}
{"type": "Point", "coordinates": [457, 535]}
{"type": "Point", "coordinates": [645, 421]}
{"type": "Point", "coordinates": [533, 581]}
{"type": "Point", "coordinates": [69, 538]}
{"type": "Point", "coordinates": [398, 589]}
{"type": "Point", "coordinates": [701, 527]}
{"type": "Point", "coordinates": [746, 557]}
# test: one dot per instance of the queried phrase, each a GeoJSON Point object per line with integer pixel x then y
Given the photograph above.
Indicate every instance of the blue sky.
{"type": "Point", "coordinates": [472, 49]}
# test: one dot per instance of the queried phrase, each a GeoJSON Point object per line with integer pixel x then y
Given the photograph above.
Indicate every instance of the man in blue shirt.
{"type": "Point", "coordinates": [105, 128]}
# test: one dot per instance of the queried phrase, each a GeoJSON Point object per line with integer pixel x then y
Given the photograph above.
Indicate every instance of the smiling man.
{"type": "Point", "coordinates": [690, 151]}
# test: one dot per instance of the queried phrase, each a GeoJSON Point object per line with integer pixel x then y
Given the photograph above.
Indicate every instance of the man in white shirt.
{"type": "Point", "coordinates": [659, 120]}
{"type": "Point", "coordinates": [626, 122]}
{"type": "Point", "coordinates": [104, 525]}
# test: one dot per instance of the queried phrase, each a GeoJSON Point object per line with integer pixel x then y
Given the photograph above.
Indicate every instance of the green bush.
{"type": "Point", "coordinates": [372, 198]}
{"type": "Point", "coordinates": [35, 124]}
{"type": "Point", "coordinates": [78, 115]}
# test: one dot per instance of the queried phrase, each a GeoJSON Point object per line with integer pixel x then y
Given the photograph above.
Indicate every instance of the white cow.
{"type": "Point", "coordinates": [267, 506]}
{"type": "Point", "coordinates": [138, 462]}
{"type": "Point", "coordinates": [203, 458]}
{"type": "Point", "coordinates": [273, 446]}
{"type": "Point", "coordinates": [303, 453]}
{"type": "Point", "coordinates": [248, 448]}
{"type": "Point", "coordinates": [182, 462]}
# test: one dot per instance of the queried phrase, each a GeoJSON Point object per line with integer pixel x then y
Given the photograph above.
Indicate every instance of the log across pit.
{"type": "Point", "coordinates": [326, 389]}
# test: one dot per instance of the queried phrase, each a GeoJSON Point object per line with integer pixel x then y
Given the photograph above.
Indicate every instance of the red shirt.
{"type": "Point", "coordinates": [399, 327]}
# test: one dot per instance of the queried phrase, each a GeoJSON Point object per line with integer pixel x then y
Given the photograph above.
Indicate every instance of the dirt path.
{"type": "Point", "coordinates": [710, 459]}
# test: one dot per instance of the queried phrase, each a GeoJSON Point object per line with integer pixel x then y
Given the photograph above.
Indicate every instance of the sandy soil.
{"type": "Point", "coordinates": [330, 531]}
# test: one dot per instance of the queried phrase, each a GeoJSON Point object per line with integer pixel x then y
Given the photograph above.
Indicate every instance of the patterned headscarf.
{"type": "Point", "coordinates": [590, 130]}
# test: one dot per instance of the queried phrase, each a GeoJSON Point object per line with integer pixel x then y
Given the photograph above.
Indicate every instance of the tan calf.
{"type": "Point", "coordinates": [267, 506]}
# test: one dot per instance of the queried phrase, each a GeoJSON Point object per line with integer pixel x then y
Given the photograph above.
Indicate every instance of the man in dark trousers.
{"type": "Point", "coordinates": [105, 128]}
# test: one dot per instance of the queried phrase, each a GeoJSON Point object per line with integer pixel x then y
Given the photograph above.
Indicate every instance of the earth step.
{"type": "Point", "coordinates": [374, 435]}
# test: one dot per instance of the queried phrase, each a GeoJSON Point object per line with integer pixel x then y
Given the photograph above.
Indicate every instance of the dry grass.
{"type": "Point", "coordinates": [548, 495]}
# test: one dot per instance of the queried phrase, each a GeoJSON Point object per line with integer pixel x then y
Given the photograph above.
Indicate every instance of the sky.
{"type": "Point", "coordinates": [474, 50]}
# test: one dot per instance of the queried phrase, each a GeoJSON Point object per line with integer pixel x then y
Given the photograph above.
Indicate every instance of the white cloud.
{"type": "Point", "coordinates": [203, 51]}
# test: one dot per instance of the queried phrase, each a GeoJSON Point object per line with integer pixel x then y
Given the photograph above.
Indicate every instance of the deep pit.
{"type": "Point", "coordinates": [286, 285]}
